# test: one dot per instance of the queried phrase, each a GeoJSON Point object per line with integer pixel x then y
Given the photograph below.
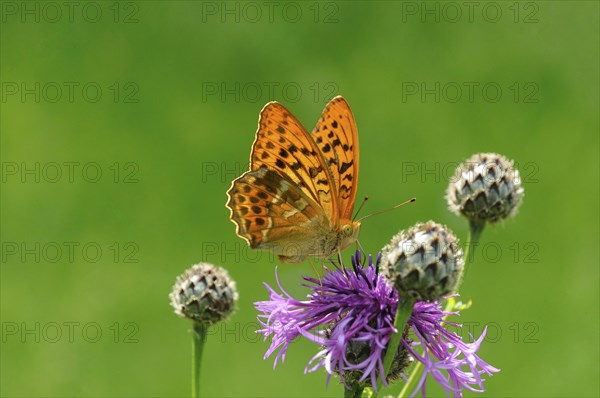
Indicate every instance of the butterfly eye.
{"type": "Point", "coordinates": [347, 229]}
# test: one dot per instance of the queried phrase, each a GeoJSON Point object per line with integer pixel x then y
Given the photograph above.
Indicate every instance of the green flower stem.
{"type": "Point", "coordinates": [475, 230]}
{"type": "Point", "coordinates": [416, 369]}
{"type": "Point", "coordinates": [355, 392]}
{"type": "Point", "coordinates": [405, 308]}
{"type": "Point", "coordinates": [198, 339]}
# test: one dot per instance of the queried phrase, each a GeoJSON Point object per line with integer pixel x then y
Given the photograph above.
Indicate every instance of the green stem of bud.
{"type": "Point", "coordinates": [416, 369]}
{"type": "Point", "coordinates": [405, 308]}
{"type": "Point", "coordinates": [475, 230]}
{"type": "Point", "coordinates": [198, 339]}
{"type": "Point", "coordinates": [355, 392]}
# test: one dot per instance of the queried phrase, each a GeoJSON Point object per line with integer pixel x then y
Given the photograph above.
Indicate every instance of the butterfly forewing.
{"type": "Point", "coordinates": [283, 144]}
{"type": "Point", "coordinates": [336, 136]}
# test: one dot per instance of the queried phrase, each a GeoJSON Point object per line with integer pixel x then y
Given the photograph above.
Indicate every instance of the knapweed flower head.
{"type": "Point", "coordinates": [485, 188]}
{"type": "Point", "coordinates": [204, 293]}
{"type": "Point", "coordinates": [424, 261]}
{"type": "Point", "coordinates": [349, 306]}
{"type": "Point", "coordinates": [352, 310]}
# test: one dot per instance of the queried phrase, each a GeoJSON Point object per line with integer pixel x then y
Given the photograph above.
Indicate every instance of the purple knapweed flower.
{"type": "Point", "coordinates": [355, 307]}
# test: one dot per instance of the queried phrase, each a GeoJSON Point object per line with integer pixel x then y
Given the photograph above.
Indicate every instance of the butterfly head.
{"type": "Point", "coordinates": [349, 233]}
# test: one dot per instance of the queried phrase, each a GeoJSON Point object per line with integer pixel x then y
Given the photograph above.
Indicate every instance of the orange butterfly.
{"type": "Point", "coordinates": [298, 196]}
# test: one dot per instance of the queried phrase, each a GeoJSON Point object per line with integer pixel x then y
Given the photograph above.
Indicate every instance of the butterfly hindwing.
{"type": "Point", "coordinates": [267, 209]}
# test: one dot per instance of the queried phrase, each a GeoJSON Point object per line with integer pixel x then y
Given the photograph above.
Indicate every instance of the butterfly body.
{"type": "Point", "coordinates": [297, 198]}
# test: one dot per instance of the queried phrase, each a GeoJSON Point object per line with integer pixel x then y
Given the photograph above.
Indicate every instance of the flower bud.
{"type": "Point", "coordinates": [204, 293]}
{"type": "Point", "coordinates": [485, 188]}
{"type": "Point", "coordinates": [424, 261]}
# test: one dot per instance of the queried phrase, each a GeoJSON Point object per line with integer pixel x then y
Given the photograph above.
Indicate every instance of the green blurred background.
{"type": "Point", "coordinates": [164, 103]}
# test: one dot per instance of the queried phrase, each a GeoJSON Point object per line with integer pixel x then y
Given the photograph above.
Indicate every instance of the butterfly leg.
{"type": "Point", "coordinates": [339, 254]}
{"type": "Point", "coordinates": [312, 264]}
{"type": "Point", "coordinates": [363, 254]}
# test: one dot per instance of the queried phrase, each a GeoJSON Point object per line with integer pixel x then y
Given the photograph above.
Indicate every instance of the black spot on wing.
{"type": "Point", "coordinates": [345, 166]}
{"type": "Point", "coordinates": [345, 191]}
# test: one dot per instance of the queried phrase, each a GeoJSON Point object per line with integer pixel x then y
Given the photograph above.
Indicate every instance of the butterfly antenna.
{"type": "Point", "coordinates": [360, 207]}
{"type": "Point", "coordinates": [386, 210]}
